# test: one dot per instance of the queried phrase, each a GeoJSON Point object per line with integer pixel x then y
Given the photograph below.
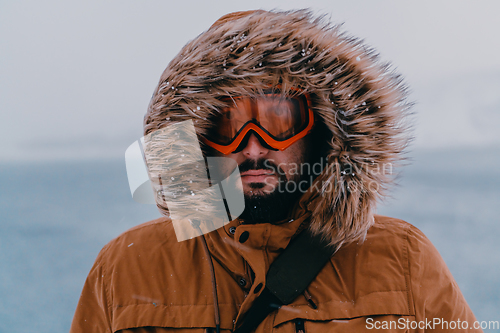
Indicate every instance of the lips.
{"type": "Point", "coordinates": [259, 172]}
{"type": "Point", "coordinates": [256, 176]}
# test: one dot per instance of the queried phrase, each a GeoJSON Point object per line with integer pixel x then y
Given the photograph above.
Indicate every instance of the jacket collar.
{"type": "Point", "coordinates": [274, 236]}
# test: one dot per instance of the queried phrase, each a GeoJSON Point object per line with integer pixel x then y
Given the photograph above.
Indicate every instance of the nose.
{"type": "Point", "coordinates": [253, 149]}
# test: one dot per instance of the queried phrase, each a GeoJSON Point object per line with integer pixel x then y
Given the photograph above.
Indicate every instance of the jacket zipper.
{"type": "Point", "coordinates": [299, 326]}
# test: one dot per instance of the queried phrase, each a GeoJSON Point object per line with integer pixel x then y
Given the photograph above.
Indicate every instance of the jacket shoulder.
{"type": "Point", "coordinates": [388, 232]}
{"type": "Point", "coordinates": [391, 232]}
{"type": "Point", "coordinates": [159, 227]}
{"type": "Point", "coordinates": [406, 232]}
{"type": "Point", "coordinates": [146, 235]}
{"type": "Point", "coordinates": [383, 222]}
{"type": "Point", "coordinates": [415, 242]}
{"type": "Point", "coordinates": [433, 292]}
{"type": "Point", "coordinates": [139, 276]}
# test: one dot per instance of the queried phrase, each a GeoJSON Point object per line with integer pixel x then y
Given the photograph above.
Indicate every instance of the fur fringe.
{"type": "Point", "coordinates": [361, 101]}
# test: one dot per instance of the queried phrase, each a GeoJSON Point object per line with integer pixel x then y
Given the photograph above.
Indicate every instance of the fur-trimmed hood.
{"type": "Point", "coordinates": [360, 101]}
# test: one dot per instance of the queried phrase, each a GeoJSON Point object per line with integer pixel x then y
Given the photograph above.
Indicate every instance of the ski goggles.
{"type": "Point", "coordinates": [278, 120]}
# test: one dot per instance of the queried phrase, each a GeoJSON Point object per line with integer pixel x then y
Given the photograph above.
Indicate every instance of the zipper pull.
{"type": "Point", "coordinates": [310, 300]}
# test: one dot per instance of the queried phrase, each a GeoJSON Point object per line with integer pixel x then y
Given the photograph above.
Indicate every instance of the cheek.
{"type": "Point", "coordinates": [291, 159]}
{"type": "Point", "coordinates": [298, 152]}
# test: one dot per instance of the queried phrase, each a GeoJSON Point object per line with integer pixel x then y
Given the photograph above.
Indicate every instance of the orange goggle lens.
{"type": "Point", "coordinates": [279, 121]}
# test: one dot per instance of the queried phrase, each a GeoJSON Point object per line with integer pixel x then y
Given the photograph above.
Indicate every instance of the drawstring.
{"type": "Point", "coordinates": [214, 285]}
{"type": "Point", "coordinates": [196, 224]}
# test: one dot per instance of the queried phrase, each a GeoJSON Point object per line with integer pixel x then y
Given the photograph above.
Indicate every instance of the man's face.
{"type": "Point", "coordinates": [264, 171]}
{"type": "Point", "coordinates": [272, 180]}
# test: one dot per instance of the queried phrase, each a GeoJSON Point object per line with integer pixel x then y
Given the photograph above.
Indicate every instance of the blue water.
{"type": "Point", "coordinates": [55, 217]}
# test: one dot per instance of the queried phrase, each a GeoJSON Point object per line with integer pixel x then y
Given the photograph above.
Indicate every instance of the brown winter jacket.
{"type": "Point", "coordinates": [146, 281]}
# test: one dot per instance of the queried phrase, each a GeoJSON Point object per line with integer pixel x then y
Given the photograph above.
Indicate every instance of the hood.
{"type": "Point", "coordinates": [360, 101]}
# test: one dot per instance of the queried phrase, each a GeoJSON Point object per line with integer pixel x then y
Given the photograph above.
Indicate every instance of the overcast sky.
{"type": "Point", "coordinates": [76, 76]}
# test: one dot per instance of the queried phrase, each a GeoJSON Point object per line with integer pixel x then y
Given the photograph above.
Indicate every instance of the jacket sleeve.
{"type": "Point", "coordinates": [436, 296]}
{"type": "Point", "coordinates": [93, 309]}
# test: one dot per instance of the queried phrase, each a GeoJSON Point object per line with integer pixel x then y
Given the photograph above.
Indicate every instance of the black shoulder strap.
{"type": "Point", "coordinates": [288, 277]}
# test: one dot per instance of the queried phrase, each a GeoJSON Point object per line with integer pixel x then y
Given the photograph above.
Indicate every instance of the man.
{"type": "Point", "coordinates": [279, 92]}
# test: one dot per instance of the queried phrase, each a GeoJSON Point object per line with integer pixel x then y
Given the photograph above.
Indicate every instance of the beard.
{"type": "Point", "coordinates": [269, 206]}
